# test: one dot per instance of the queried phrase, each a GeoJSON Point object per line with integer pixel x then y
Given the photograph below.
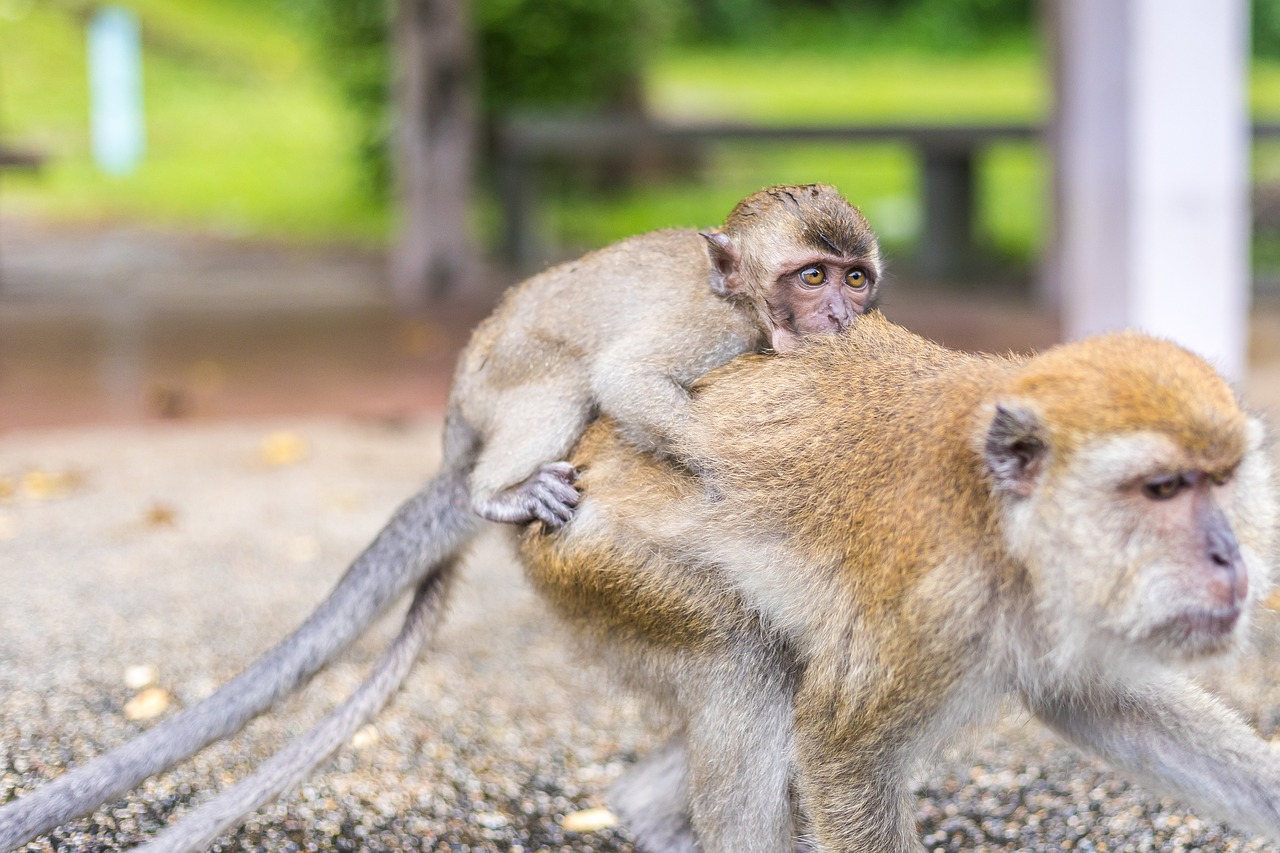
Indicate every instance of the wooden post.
{"type": "Point", "coordinates": [1151, 142]}
{"type": "Point", "coordinates": [435, 141]}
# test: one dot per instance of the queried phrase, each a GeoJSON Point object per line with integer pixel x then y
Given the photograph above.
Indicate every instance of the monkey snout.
{"type": "Point", "coordinates": [1229, 580]}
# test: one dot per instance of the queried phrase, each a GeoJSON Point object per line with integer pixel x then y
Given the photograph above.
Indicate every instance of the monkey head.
{"type": "Point", "coordinates": [1131, 455]}
{"type": "Point", "coordinates": [805, 258]}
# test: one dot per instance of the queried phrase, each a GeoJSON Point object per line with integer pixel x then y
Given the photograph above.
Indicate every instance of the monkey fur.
{"type": "Point", "coordinates": [626, 330]}
{"type": "Point", "coordinates": [622, 331]}
{"type": "Point", "coordinates": [886, 538]}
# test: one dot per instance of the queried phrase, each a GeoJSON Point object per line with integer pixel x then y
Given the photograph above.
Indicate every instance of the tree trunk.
{"type": "Point", "coordinates": [435, 140]}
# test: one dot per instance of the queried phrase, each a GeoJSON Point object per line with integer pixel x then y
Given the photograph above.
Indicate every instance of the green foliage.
{"type": "Point", "coordinates": [582, 55]}
{"type": "Point", "coordinates": [934, 25]}
{"type": "Point", "coordinates": [1265, 26]}
{"type": "Point", "coordinates": [351, 39]}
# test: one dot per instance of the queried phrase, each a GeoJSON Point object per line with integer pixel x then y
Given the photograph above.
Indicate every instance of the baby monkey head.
{"type": "Point", "coordinates": [802, 255]}
{"type": "Point", "coordinates": [1134, 457]}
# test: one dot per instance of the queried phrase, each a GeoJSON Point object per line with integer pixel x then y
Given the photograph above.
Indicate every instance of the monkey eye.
{"type": "Point", "coordinates": [856, 279]}
{"type": "Point", "coordinates": [1164, 488]}
{"type": "Point", "coordinates": [813, 275]}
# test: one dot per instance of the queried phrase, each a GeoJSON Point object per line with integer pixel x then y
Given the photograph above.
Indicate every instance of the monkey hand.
{"type": "Point", "coordinates": [548, 495]}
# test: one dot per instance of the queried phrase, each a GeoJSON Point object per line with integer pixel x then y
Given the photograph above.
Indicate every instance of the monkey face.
{"type": "Point", "coordinates": [1179, 558]}
{"type": "Point", "coordinates": [821, 296]}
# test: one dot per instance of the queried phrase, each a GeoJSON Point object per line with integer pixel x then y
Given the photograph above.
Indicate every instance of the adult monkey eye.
{"type": "Point", "coordinates": [856, 279]}
{"type": "Point", "coordinates": [1163, 488]}
{"type": "Point", "coordinates": [813, 275]}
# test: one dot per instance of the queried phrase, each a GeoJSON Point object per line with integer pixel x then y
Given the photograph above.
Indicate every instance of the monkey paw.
{"type": "Point", "coordinates": [548, 496]}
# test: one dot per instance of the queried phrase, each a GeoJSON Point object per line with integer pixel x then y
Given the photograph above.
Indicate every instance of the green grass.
{"type": "Point", "coordinates": [244, 134]}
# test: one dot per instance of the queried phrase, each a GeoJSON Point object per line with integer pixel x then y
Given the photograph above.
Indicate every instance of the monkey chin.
{"type": "Point", "coordinates": [1197, 633]}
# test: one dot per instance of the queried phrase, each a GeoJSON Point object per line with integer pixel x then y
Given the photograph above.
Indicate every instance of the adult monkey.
{"type": "Point", "coordinates": [886, 535]}
{"type": "Point", "coordinates": [622, 331]}
{"type": "Point", "coordinates": [874, 555]}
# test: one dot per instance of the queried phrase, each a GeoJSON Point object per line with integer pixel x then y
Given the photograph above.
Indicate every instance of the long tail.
{"type": "Point", "coordinates": [424, 532]}
{"type": "Point", "coordinates": [295, 762]}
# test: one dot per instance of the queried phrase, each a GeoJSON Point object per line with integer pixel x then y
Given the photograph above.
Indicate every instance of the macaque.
{"type": "Point", "coordinates": [884, 538]}
{"type": "Point", "coordinates": [624, 332]}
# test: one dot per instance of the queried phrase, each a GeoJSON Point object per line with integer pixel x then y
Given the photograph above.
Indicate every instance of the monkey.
{"type": "Point", "coordinates": [885, 538]}
{"type": "Point", "coordinates": [622, 331]}
{"type": "Point", "coordinates": [613, 333]}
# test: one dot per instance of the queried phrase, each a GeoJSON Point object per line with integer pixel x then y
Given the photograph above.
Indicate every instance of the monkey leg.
{"type": "Point", "coordinates": [520, 475]}
{"type": "Point", "coordinates": [547, 495]}
{"type": "Point", "coordinates": [853, 762]}
{"type": "Point", "coordinates": [653, 801]}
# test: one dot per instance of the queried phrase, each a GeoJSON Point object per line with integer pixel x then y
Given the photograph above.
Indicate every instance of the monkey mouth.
{"type": "Point", "coordinates": [1199, 631]}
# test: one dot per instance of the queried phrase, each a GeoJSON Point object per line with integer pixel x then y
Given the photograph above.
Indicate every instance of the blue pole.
{"type": "Point", "coordinates": [115, 90]}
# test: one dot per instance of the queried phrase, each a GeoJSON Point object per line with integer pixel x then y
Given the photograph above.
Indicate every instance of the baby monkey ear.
{"type": "Point", "coordinates": [1015, 449]}
{"type": "Point", "coordinates": [726, 279]}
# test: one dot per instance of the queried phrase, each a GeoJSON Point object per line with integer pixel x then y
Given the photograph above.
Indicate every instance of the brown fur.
{"type": "Point", "coordinates": [846, 520]}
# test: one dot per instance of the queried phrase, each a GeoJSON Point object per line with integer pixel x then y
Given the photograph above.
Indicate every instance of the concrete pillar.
{"type": "Point", "coordinates": [1151, 145]}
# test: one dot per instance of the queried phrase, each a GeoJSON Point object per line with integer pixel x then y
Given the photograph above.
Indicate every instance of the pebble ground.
{"type": "Point", "coordinates": [191, 548]}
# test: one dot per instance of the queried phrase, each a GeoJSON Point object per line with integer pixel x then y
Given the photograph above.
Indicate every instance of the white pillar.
{"type": "Point", "coordinates": [1152, 142]}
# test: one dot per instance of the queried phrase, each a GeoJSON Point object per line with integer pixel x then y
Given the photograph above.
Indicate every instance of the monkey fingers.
{"type": "Point", "coordinates": [549, 496]}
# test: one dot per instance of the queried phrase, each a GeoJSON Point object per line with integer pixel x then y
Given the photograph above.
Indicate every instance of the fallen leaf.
{"type": "Point", "coordinates": [139, 676]}
{"type": "Point", "coordinates": [283, 448]}
{"type": "Point", "coordinates": [160, 515]}
{"type": "Point", "coordinates": [147, 705]}
{"type": "Point", "coordinates": [590, 820]}
{"type": "Point", "coordinates": [47, 485]}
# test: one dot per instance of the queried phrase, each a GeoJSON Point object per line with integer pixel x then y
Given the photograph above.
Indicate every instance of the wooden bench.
{"type": "Point", "coordinates": [947, 155]}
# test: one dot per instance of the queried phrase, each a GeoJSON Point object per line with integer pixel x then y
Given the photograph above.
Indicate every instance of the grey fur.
{"type": "Point", "coordinates": [295, 762]}
{"type": "Point", "coordinates": [426, 529]}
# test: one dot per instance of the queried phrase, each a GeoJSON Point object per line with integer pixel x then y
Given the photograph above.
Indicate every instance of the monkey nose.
{"type": "Point", "coordinates": [1230, 581]}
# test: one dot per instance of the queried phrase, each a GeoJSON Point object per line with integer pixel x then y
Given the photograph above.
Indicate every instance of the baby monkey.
{"type": "Point", "coordinates": [626, 330]}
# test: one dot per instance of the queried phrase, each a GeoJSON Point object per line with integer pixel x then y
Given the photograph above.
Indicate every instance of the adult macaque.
{"type": "Point", "coordinates": [623, 331]}
{"type": "Point", "coordinates": [885, 538]}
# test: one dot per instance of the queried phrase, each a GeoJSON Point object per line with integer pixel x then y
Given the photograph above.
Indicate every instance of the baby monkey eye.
{"type": "Point", "coordinates": [813, 275]}
{"type": "Point", "coordinates": [856, 279]}
{"type": "Point", "coordinates": [1163, 488]}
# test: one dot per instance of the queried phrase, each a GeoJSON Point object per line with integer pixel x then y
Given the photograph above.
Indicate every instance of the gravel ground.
{"type": "Point", "coordinates": [192, 548]}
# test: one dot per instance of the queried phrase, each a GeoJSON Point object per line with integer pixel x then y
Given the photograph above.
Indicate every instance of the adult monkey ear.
{"type": "Point", "coordinates": [1015, 449]}
{"type": "Point", "coordinates": [726, 280]}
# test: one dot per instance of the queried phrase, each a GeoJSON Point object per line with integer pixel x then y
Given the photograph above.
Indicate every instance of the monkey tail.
{"type": "Point", "coordinates": [295, 762]}
{"type": "Point", "coordinates": [425, 531]}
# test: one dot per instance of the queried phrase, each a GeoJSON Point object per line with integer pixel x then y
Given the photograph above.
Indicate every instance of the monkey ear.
{"type": "Point", "coordinates": [725, 279]}
{"type": "Point", "coordinates": [1015, 449]}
